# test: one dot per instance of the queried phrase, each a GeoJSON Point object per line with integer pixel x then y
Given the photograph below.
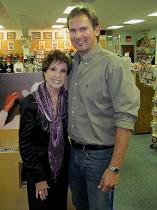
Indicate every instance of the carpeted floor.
{"type": "Point", "coordinates": [138, 180]}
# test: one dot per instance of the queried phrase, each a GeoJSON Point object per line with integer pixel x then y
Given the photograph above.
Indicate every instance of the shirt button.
{"type": "Point", "coordinates": [86, 63]}
{"type": "Point", "coordinates": [72, 125]}
{"type": "Point", "coordinates": [72, 112]}
{"type": "Point", "coordinates": [76, 84]}
{"type": "Point", "coordinates": [74, 97]}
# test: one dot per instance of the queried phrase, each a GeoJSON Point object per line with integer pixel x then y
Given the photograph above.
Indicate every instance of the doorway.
{"type": "Point", "coordinates": [130, 49]}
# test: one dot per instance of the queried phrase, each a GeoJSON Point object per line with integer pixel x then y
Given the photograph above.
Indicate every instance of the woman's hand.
{"type": "Point", "coordinates": [41, 190]}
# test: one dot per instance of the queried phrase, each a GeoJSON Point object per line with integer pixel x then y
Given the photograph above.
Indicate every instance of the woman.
{"type": "Point", "coordinates": [43, 137]}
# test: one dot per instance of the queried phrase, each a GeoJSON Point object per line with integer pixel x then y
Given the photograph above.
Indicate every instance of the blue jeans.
{"type": "Point", "coordinates": [85, 171]}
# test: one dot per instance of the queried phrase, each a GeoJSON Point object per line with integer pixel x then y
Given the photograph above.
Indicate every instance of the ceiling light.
{"type": "Point", "coordinates": [1, 26]}
{"type": "Point", "coordinates": [68, 9]}
{"type": "Point", "coordinates": [115, 27]}
{"type": "Point", "coordinates": [153, 14]}
{"type": "Point", "coordinates": [61, 20]}
{"type": "Point", "coordinates": [57, 26]}
{"type": "Point", "coordinates": [133, 21]}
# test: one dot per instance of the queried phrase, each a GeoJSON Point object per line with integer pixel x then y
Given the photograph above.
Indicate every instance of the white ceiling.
{"type": "Point", "coordinates": [41, 14]}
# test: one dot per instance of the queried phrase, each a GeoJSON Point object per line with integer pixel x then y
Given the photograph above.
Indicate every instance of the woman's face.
{"type": "Point", "coordinates": [56, 74]}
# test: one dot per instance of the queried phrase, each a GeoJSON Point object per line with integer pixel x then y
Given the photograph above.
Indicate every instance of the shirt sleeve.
{"type": "Point", "coordinates": [124, 94]}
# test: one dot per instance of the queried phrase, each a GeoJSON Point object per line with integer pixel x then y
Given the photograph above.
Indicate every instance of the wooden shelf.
{"type": "Point", "coordinates": [145, 117]}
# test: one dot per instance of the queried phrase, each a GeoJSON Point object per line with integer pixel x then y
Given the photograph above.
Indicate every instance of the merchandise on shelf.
{"type": "Point", "coordinates": [148, 75]}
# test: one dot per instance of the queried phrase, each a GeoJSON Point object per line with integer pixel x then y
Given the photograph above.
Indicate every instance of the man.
{"type": "Point", "coordinates": [103, 106]}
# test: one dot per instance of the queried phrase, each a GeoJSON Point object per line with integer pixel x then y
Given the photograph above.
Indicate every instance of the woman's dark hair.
{"type": "Point", "coordinates": [82, 10]}
{"type": "Point", "coordinates": [56, 55]}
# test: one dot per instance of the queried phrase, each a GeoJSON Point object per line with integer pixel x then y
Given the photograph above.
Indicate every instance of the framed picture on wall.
{"type": "Point", "coordinates": [67, 35]}
{"type": "Point", "coordinates": [67, 44]}
{"type": "Point", "coordinates": [36, 35]}
{"type": "Point", "coordinates": [41, 45]}
{"type": "Point", "coordinates": [128, 38]}
{"type": "Point", "coordinates": [47, 35]}
{"type": "Point", "coordinates": [10, 45]}
{"type": "Point", "coordinates": [11, 35]}
{"type": "Point", "coordinates": [54, 44]}
{"type": "Point", "coordinates": [59, 35]}
{"type": "Point", "coordinates": [1, 35]}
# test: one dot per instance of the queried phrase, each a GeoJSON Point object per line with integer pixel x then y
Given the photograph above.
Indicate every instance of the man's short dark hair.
{"type": "Point", "coordinates": [82, 10]}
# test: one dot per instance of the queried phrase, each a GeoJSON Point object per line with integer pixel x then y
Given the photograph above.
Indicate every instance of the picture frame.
{"type": "Point", "coordinates": [10, 45]}
{"type": "Point", "coordinates": [59, 35]}
{"type": "Point", "coordinates": [54, 44]}
{"type": "Point", "coordinates": [36, 35]}
{"type": "Point", "coordinates": [1, 35]}
{"type": "Point", "coordinates": [67, 35]}
{"type": "Point", "coordinates": [67, 44]}
{"type": "Point", "coordinates": [11, 35]}
{"type": "Point", "coordinates": [41, 45]}
{"type": "Point", "coordinates": [128, 38]}
{"type": "Point", "coordinates": [47, 35]}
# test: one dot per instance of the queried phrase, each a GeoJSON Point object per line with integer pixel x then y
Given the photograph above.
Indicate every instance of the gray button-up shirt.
{"type": "Point", "coordinates": [102, 96]}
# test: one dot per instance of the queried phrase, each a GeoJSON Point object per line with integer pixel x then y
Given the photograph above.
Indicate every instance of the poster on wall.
{"type": "Point", "coordinates": [59, 35]}
{"type": "Point", "coordinates": [1, 35]}
{"type": "Point", "coordinates": [47, 35]}
{"type": "Point", "coordinates": [67, 44]}
{"type": "Point", "coordinates": [116, 43]}
{"type": "Point", "coordinates": [67, 35]}
{"type": "Point", "coordinates": [128, 38]}
{"type": "Point", "coordinates": [11, 35]}
{"type": "Point", "coordinates": [36, 35]}
{"type": "Point", "coordinates": [13, 88]}
{"type": "Point", "coordinates": [41, 45]}
{"type": "Point", "coordinates": [54, 44]}
{"type": "Point", "coordinates": [10, 45]}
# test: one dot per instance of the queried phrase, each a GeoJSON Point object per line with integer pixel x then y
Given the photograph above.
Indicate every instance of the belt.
{"type": "Point", "coordinates": [89, 146]}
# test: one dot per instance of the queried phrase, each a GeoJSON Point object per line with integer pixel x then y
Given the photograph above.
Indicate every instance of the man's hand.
{"type": "Point", "coordinates": [108, 181]}
{"type": "Point", "coordinates": [10, 99]}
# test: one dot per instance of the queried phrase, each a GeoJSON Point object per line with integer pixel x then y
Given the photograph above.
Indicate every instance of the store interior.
{"type": "Point", "coordinates": [27, 34]}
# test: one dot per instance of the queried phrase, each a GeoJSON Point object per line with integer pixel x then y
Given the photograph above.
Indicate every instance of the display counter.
{"type": "Point", "coordinates": [13, 194]}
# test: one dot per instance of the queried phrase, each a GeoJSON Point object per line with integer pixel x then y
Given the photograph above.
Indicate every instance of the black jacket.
{"type": "Point", "coordinates": [33, 143]}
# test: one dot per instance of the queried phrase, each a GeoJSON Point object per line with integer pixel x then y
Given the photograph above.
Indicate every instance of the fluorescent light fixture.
{"type": "Point", "coordinates": [68, 9]}
{"type": "Point", "coordinates": [1, 26]}
{"type": "Point", "coordinates": [153, 14]}
{"type": "Point", "coordinates": [57, 26]}
{"type": "Point", "coordinates": [61, 20]}
{"type": "Point", "coordinates": [115, 27]}
{"type": "Point", "coordinates": [133, 21]}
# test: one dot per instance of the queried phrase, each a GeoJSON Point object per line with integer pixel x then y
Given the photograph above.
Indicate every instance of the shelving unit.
{"type": "Point", "coordinates": [145, 54]}
{"type": "Point", "coordinates": [154, 113]}
{"type": "Point", "coordinates": [145, 50]}
{"type": "Point", "coordinates": [39, 55]}
{"type": "Point", "coordinates": [146, 81]}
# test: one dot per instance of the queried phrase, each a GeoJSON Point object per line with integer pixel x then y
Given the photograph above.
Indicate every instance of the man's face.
{"type": "Point", "coordinates": [82, 34]}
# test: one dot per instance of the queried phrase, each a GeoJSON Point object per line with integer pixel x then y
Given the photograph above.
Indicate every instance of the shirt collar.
{"type": "Point", "coordinates": [89, 55]}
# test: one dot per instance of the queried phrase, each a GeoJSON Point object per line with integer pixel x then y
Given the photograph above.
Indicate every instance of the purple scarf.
{"type": "Point", "coordinates": [56, 142]}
